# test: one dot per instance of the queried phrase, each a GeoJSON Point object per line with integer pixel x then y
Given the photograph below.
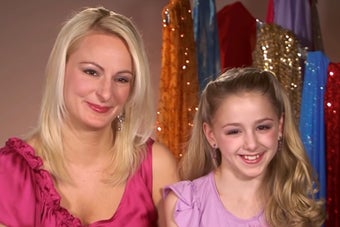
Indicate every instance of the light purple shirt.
{"type": "Point", "coordinates": [199, 205]}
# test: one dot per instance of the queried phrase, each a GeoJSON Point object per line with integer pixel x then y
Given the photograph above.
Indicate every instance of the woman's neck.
{"type": "Point", "coordinates": [86, 147]}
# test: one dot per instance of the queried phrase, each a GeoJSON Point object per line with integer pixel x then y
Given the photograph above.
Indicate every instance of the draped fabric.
{"type": "Point", "coordinates": [332, 118]}
{"type": "Point", "coordinates": [270, 12]}
{"type": "Point", "coordinates": [278, 50]}
{"type": "Point", "coordinates": [317, 43]}
{"type": "Point", "coordinates": [312, 124]}
{"type": "Point", "coordinates": [29, 198]}
{"type": "Point", "coordinates": [206, 39]}
{"type": "Point", "coordinates": [237, 35]}
{"type": "Point", "coordinates": [178, 98]}
{"type": "Point", "coordinates": [295, 15]}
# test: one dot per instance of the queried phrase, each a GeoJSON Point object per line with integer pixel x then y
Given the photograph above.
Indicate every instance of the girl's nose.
{"type": "Point", "coordinates": [250, 142]}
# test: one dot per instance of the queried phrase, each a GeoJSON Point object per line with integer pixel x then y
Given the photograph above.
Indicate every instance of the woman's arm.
{"type": "Point", "coordinates": [164, 170]}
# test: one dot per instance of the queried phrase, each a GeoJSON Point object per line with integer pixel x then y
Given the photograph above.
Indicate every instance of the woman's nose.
{"type": "Point", "coordinates": [104, 90]}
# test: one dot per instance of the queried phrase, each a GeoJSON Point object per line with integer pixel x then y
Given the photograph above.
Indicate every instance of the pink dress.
{"type": "Point", "coordinates": [28, 196]}
{"type": "Point", "coordinates": [199, 205]}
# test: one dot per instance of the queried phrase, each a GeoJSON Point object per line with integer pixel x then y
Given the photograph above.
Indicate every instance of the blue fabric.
{"type": "Point", "coordinates": [206, 41]}
{"type": "Point", "coordinates": [312, 123]}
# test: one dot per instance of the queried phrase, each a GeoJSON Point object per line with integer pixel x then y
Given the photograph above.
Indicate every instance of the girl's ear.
{"type": "Point", "coordinates": [209, 134]}
{"type": "Point", "coordinates": [281, 122]}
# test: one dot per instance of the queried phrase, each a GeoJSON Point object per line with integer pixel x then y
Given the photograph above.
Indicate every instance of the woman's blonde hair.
{"type": "Point", "coordinates": [139, 113]}
{"type": "Point", "coordinates": [289, 182]}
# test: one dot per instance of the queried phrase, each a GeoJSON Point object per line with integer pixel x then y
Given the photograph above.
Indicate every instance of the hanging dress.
{"type": "Point", "coordinates": [332, 117]}
{"type": "Point", "coordinates": [295, 16]}
{"type": "Point", "coordinates": [312, 124]}
{"type": "Point", "coordinates": [278, 50]}
{"type": "Point", "coordinates": [237, 35]}
{"type": "Point", "coordinates": [206, 40]}
{"type": "Point", "coordinates": [178, 94]}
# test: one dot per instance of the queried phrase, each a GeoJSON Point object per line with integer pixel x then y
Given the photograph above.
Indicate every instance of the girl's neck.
{"type": "Point", "coordinates": [243, 198]}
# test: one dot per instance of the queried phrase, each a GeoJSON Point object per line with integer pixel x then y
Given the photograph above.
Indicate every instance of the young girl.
{"type": "Point", "coordinates": [245, 164]}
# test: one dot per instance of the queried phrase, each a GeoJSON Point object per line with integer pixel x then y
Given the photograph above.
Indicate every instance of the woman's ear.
{"type": "Point", "coordinates": [209, 134]}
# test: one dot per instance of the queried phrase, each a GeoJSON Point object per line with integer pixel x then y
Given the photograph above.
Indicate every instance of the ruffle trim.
{"type": "Point", "coordinates": [187, 209]}
{"type": "Point", "coordinates": [50, 199]}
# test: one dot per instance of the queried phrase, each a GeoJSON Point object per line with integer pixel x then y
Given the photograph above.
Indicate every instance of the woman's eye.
{"type": "Point", "coordinates": [91, 72]}
{"type": "Point", "coordinates": [122, 80]}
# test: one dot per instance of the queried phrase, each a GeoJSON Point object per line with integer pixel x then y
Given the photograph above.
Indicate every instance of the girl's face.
{"type": "Point", "coordinates": [246, 130]}
{"type": "Point", "coordinates": [98, 80]}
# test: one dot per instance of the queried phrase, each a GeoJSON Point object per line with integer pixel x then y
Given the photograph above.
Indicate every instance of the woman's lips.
{"type": "Point", "coordinates": [98, 108]}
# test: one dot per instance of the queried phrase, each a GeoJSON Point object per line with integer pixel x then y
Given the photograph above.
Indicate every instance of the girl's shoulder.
{"type": "Point", "coordinates": [190, 199]}
{"type": "Point", "coordinates": [189, 191]}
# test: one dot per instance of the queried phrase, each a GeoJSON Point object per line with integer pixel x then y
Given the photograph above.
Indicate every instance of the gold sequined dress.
{"type": "Point", "coordinates": [278, 50]}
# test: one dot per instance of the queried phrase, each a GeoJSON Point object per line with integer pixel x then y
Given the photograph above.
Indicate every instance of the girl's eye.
{"type": "Point", "coordinates": [263, 127]}
{"type": "Point", "coordinates": [91, 72]}
{"type": "Point", "coordinates": [232, 132]}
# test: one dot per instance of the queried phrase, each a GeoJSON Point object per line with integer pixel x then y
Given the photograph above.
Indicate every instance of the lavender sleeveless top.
{"type": "Point", "coordinates": [199, 205]}
{"type": "Point", "coordinates": [28, 196]}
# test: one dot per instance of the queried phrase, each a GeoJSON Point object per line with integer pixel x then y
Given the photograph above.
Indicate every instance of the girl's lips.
{"type": "Point", "coordinates": [252, 159]}
{"type": "Point", "coordinates": [98, 108]}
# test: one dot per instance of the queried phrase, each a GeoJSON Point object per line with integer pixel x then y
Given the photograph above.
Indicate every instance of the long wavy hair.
{"type": "Point", "coordinates": [290, 183]}
{"type": "Point", "coordinates": [129, 143]}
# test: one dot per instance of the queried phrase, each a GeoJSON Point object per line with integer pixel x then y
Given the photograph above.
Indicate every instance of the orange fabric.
{"type": "Point", "coordinates": [178, 95]}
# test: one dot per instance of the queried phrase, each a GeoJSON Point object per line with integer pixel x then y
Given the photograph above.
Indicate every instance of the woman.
{"type": "Point", "coordinates": [245, 164]}
{"type": "Point", "coordinates": [91, 160]}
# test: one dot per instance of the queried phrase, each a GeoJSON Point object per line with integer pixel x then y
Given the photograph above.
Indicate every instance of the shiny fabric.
{"type": "Point", "coordinates": [295, 15]}
{"type": "Point", "coordinates": [28, 196]}
{"type": "Point", "coordinates": [237, 35]}
{"type": "Point", "coordinates": [199, 205]}
{"type": "Point", "coordinates": [332, 118]}
{"type": "Point", "coordinates": [178, 94]}
{"type": "Point", "coordinates": [207, 41]}
{"type": "Point", "coordinates": [278, 50]}
{"type": "Point", "coordinates": [312, 124]}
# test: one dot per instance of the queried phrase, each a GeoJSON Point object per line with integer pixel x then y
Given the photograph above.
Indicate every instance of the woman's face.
{"type": "Point", "coordinates": [246, 129]}
{"type": "Point", "coordinates": [98, 80]}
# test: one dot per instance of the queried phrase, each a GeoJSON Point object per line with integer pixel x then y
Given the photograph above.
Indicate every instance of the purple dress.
{"type": "Point", "coordinates": [28, 196]}
{"type": "Point", "coordinates": [199, 205]}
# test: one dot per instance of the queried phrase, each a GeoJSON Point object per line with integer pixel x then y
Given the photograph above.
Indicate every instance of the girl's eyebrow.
{"type": "Point", "coordinates": [256, 122]}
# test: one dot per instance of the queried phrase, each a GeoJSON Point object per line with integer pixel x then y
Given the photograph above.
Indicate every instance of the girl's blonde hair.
{"type": "Point", "coordinates": [290, 183]}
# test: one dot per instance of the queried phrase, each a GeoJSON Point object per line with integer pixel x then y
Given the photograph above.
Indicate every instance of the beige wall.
{"type": "Point", "coordinates": [28, 30]}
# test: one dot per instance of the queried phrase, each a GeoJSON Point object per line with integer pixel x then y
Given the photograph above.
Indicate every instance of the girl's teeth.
{"type": "Point", "coordinates": [251, 157]}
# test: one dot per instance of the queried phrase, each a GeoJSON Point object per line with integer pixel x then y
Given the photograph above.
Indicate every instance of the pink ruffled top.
{"type": "Point", "coordinates": [199, 205]}
{"type": "Point", "coordinates": [28, 196]}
